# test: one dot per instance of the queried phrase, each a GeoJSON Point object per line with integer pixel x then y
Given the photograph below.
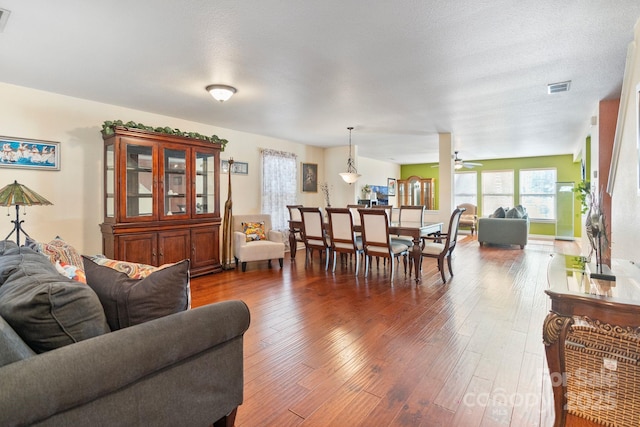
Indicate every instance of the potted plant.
{"type": "Point", "coordinates": [367, 191]}
{"type": "Point", "coordinates": [583, 193]}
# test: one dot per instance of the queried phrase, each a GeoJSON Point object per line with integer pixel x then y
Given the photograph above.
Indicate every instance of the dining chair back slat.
{"type": "Point", "coordinates": [354, 213]}
{"type": "Point", "coordinates": [376, 240]}
{"type": "Point", "coordinates": [342, 236]}
{"type": "Point", "coordinates": [388, 209]}
{"type": "Point", "coordinates": [313, 234]}
{"type": "Point", "coordinates": [412, 215]}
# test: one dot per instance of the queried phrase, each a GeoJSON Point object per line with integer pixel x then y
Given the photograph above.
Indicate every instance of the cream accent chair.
{"type": "Point", "coordinates": [470, 216]}
{"type": "Point", "coordinates": [257, 250]}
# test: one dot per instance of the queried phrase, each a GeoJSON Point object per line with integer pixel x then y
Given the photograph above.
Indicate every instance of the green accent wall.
{"type": "Point", "coordinates": [567, 171]}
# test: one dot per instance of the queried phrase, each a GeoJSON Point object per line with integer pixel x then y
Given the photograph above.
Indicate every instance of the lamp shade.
{"type": "Point", "coordinates": [20, 195]}
{"type": "Point", "coordinates": [350, 177]}
{"type": "Point", "coordinates": [221, 92]}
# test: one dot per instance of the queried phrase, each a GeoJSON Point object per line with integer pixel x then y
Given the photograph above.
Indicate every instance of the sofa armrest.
{"type": "Point", "coordinates": [275, 236]}
{"type": "Point", "coordinates": [84, 372]}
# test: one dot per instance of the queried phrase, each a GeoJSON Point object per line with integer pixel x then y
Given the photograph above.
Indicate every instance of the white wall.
{"type": "Point", "coordinates": [76, 190]}
{"type": "Point", "coordinates": [626, 197]}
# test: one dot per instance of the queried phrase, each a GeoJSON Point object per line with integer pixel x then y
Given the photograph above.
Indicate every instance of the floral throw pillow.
{"type": "Point", "coordinates": [254, 231]}
{"type": "Point", "coordinates": [132, 269]}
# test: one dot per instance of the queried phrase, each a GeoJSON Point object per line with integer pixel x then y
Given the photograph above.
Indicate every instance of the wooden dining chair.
{"type": "Point", "coordinates": [313, 234]}
{"type": "Point", "coordinates": [376, 240]}
{"type": "Point", "coordinates": [410, 216]}
{"type": "Point", "coordinates": [343, 238]}
{"type": "Point", "coordinates": [354, 213]}
{"type": "Point", "coordinates": [294, 215]}
{"type": "Point", "coordinates": [442, 245]}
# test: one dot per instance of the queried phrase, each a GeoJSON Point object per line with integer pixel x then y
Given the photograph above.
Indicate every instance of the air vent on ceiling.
{"type": "Point", "coordinates": [559, 87]}
{"type": "Point", "coordinates": [4, 16]}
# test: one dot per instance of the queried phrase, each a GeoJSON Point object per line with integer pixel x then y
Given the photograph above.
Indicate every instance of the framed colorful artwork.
{"type": "Point", "coordinates": [391, 186]}
{"type": "Point", "coordinates": [29, 153]}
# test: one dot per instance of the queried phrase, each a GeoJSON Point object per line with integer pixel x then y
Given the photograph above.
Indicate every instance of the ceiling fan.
{"type": "Point", "coordinates": [458, 163]}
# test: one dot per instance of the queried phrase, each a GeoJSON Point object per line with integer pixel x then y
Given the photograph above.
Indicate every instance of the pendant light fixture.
{"type": "Point", "coordinates": [351, 175]}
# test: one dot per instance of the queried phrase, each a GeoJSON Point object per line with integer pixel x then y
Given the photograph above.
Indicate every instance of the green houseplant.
{"type": "Point", "coordinates": [583, 193]}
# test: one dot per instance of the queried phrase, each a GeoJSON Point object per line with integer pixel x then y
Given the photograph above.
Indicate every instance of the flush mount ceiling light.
{"type": "Point", "coordinates": [221, 92]}
{"type": "Point", "coordinates": [351, 175]}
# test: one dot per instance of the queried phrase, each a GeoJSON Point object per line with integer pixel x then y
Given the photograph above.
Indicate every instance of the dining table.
{"type": "Point", "coordinates": [413, 229]}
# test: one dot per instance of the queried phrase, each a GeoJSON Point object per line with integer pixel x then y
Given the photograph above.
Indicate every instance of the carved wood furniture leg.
{"type": "Point", "coordinates": [416, 253]}
{"type": "Point", "coordinates": [553, 335]}
{"type": "Point", "coordinates": [292, 243]}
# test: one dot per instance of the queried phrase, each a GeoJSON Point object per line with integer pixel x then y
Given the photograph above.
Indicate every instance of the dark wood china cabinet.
{"type": "Point", "coordinates": [161, 199]}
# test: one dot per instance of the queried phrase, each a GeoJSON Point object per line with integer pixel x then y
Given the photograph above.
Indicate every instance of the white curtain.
{"type": "Point", "coordinates": [279, 186]}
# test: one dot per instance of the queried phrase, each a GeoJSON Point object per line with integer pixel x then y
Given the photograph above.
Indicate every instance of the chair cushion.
{"type": "Point", "coordinates": [254, 231]}
{"type": "Point", "coordinates": [433, 248]}
{"type": "Point", "coordinates": [129, 302]}
{"type": "Point", "coordinates": [46, 309]}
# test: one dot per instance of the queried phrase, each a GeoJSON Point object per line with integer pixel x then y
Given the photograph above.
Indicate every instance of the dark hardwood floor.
{"type": "Point", "coordinates": [329, 348]}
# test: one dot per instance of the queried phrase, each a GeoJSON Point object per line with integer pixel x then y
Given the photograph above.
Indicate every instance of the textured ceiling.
{"type": "Point", "coordinates": [399, 72]}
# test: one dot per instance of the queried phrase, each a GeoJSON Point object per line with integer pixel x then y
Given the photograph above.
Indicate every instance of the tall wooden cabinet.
{"type": "Point", "coordinates": [161, 199]}
{"type": "Point", "coordinates": [416, 191]}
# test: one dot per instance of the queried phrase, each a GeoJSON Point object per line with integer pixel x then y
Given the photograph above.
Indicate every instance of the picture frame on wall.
{"type": "Point", "coordinates": [238, 168]}
{"type": "Point", "coordinates": [310, 177]}
{"type": "Point", "coordinates": [29, 153]}
{"type": "Point", "coordinates": [391, 186]}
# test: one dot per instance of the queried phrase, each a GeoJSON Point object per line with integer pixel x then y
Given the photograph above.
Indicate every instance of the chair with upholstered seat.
{"type": "Point", "coordinates": [435, 247]}
{"type": "Point", "coordinates": [254, 240]}
{"type": "Point", "coordinates": [355, 214]}
{"type": "Point", "coordinates": [343, 238]}
{"type": "Point", "coordinates": [470, 216]}
{"type": "Point", "coordinates": [410, 216]}
{"type": "Point", "coordinates": [376, 240]}
{"type": "Point", "coordinates": [294, 215]}
{"type": "Point", "coordinates": [313, 234]}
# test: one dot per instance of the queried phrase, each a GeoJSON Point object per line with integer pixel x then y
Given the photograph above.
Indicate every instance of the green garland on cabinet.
{"type": "Point", "coordinates": [108, 128]}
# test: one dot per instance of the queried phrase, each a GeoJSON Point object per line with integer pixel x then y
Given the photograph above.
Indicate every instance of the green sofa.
{"type": "Point", "coordinates": [182, 369]}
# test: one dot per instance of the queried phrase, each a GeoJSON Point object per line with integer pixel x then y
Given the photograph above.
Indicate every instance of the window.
{"type": "Point", "coordinates": [538, 192]}
{"type": "Point", "coordinates": [279, 186]}
{"type": "Point", "coordinates": [466, 188]}
{"type": "Point", "coordinates": [497, 191]}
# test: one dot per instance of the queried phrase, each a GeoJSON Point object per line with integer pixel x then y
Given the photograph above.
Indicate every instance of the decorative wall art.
{"type": "Point", "coordinates": [391, 186]}
{"type": "Point", "coordinates": [29, 153]}
{"type": "Point", "coordinates": [238, 168]}
{"type": "Point", "coordinates": [310, 177]}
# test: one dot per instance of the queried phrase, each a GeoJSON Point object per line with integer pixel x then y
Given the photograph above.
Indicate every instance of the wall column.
{"type": "Point", "coordinates": [445, 173]}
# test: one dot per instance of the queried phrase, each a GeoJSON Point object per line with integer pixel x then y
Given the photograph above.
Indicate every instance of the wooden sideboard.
{"type": "Point", "coordinates": [592, 342]}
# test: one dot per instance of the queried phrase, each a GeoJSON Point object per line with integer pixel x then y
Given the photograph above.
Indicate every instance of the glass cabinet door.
{"type": "Point", "coordinates": [109, 182]}
{"type": "Point", "coordinates": [139, 185]}
{"type": "Point", "coordinates": [205, 176]}
{"type": "Point", "coordinates": [175, 182]}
